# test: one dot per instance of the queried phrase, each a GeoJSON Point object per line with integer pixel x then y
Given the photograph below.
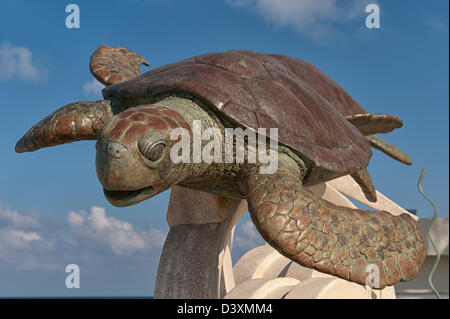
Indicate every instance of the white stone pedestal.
{"type": "Point", "coordinates": [196, 258]}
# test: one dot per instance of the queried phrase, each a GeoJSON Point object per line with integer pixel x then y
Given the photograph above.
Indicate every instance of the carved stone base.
{"type": "Point", "coordinates": [196, 258]}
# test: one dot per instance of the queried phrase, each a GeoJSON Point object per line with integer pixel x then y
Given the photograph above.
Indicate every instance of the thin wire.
{"type": "Point", "coordinates": [435, 216]}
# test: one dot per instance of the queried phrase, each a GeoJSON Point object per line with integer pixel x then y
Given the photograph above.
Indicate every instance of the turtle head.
{"type": "Point", "coordinates": [133, 147]}
{"type": "Point", "coordinates": [133, 154]}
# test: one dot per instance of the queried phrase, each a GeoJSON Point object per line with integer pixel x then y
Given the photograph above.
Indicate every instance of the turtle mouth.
{"type": "Point", "coordinates": [127, 198]}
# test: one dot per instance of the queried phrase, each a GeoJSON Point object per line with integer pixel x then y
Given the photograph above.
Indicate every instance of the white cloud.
{"type": "Point", "coordinates": [17, 238]}
{"type": "Point", "coordinates": [92, 88]}
{"type": "Point", "coordinates": [247, 237]}
{"type": "Point", "coordinates": [118, 235]}
{"type": "Point", "coordinates": [21, 249]}
{"type": "Point", "coordinates": [17, 62]}
{"type": "Point", "coordinates": [25, 236]}
{"type": "Point", "coordinates": [30, 241]}
{"type": "Point", "coordinates": [313, 18]}
{"type": "Point", "coordinates": [16, 220]}
{"type": "Point", "coordinates": [76, 219]}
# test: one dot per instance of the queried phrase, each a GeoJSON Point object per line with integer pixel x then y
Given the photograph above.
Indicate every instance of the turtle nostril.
{"type": "Point", "coordinates": [115, 150]}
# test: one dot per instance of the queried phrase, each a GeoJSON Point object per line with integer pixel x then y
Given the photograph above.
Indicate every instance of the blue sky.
{"type": "Point", "coordinates": [46, 197]}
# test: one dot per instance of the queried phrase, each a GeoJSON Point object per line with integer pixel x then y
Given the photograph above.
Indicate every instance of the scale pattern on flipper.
{"type": "Point", "coordinates": [336, 240]}
{"type": "Point", "coordinates": [111, 65]}
{"type": "Point", "coordinates": [73, 122]}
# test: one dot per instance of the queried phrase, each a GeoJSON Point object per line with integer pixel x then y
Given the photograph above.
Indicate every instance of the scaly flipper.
{"type": "Point", "coordinates": [332, 239]}
{"type": "Point", "coordinates": [389, 149]}
{"type": "Point", "coordinates": [73, 122]}
{"type": "Point", "coordinates": [369, 123]}
{"type": "Point", "coordinates": [111, 65]}
{"type": "Point", "coordinates": [364, 180]}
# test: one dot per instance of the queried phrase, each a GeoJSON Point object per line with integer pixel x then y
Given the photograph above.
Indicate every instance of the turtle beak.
{"type": "Point", "coordinates": [108, 164]}
{"type": "Point", "coordinates": [128, 198]}
{"type": "Point", "coordinates": [126, 180]}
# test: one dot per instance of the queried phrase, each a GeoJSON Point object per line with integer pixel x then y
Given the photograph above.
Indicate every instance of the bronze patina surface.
{"type": "Point", "coordinates": [323, 134]}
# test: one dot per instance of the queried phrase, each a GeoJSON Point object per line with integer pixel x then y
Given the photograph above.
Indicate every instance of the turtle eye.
{"type": "Point", "coordinates": [156, 152]}
{"type": "Point", "coordinates": [153, 152]}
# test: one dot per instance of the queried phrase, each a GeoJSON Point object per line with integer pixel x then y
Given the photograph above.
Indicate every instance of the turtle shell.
{"type": "Point", "coordinates": [266, 91]}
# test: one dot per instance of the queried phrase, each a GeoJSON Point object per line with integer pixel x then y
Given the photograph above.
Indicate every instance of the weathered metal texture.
{"type": "Point", "coordinates": [369, 124]}
{"type": "Point", "coordinates": [111, 65]}
{"type": "Point", "coordinates": [322, 84]}
{"type": "Point", "coordinates": [253, 90]}
{"type": "Point", "coordinates": [121, 152]}
{"type": "Point", "coordinates": [364, 180]}
{"type": "Point", "coordinates": [389, 149]}
{"type": "Point", "coordinates": [336, 240]}
{"type": "Point", "coordinates": [259, 91]}
{"type": "Point", "coordinates": [73, 122]}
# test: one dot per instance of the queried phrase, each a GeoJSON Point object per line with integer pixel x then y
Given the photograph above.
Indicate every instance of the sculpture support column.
{"type": "Point", "coordinates": [196, 257]}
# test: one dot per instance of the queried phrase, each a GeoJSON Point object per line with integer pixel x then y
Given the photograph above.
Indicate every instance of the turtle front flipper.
{"type": "Point", "coordinates": [111, 65]}
{"type": "Point", "coordinates": [336, 240]}
{"type": "Point", "coordinates": [73, 122]}
{"type": "Point", "coordinates": [389, 149]}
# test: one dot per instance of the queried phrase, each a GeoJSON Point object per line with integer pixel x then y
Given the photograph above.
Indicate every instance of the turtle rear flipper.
{"type": "Point", "coordinates": [362, 177]}
{"type": "Point", "coordinates": [369, 123]}
{"type": "Point", "coordinates": [389, 149]}
{"type": "Point", "coordinates": [111, 65]}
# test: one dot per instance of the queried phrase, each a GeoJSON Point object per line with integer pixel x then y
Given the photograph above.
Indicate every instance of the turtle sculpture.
{"type": "Point", "coordinates": [322, 134]}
